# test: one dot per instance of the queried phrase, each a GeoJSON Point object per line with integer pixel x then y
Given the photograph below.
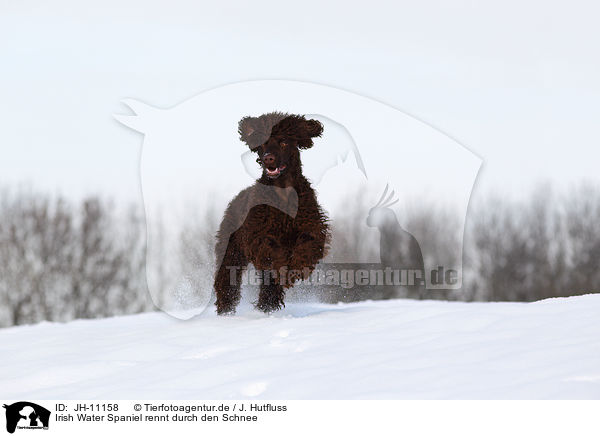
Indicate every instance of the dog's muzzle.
{"type": "Point", "coordinates": [274, 172]}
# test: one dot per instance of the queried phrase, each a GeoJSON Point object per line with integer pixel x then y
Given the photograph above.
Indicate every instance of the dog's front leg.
{"type": "Point", "coordinates": [307, 252]}
{"type": "Point", "coordinates": [228, 279]}
{"type": "Point", "coordinates": [271, 294]}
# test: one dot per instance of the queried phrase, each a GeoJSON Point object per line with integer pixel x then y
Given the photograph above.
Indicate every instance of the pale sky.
{"type": "Point", "coordinates": [517, 82]}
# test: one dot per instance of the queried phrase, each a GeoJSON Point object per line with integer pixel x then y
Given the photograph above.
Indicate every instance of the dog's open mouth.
{"type": "Point", "coordinates": [274, 172]}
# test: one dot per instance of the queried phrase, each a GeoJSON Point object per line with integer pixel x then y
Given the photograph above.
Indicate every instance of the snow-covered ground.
{"type": "Point", "coordinates": [388, 349]}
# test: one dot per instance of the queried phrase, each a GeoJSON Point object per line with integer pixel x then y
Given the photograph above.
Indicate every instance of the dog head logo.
{"type": "Point", "coordinates": [26, 415]}
{"type": "Point", "coordinates": [192, 165]}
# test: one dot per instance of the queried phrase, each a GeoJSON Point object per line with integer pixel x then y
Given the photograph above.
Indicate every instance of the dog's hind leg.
{"type": "Point", "coordinates": [271, 293]}
{"type": "Point", "coordinates": [228, 279]}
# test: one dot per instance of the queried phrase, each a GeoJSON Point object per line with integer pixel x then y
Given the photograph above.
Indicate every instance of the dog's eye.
{"type": "Point", "coordinates": [283, 144]}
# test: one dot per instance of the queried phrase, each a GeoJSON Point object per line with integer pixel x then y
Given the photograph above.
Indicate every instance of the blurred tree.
{"type": "Point", "coordinates": [58, 264]}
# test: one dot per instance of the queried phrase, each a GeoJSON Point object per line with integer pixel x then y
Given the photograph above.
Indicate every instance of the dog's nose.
{"type": "Point", "coordinates": [268, 159]}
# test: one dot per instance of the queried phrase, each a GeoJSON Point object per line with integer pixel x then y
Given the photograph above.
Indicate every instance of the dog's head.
{"type": "Point", "coordinates": [278, 139]}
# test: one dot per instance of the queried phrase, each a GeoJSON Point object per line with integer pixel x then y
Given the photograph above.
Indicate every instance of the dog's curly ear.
{"type": "Point", "coordinates": [246, 128]}
{"type": "Point", "coordinates": [312, 129]}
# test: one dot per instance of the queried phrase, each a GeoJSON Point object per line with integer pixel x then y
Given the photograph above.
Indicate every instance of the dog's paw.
{"type": "Point", "coordinates": [304, 237]}
{"type": "Point", "coordinates": [226, 306]}
{"type": "Point", "coordinates": [225, 311]}
{"type": "Point", "coordinates": [268, 307]}
{"type": "Point", "coordinates": [270, 302]}
{"type": "Point", "coordinates": [300, 268]}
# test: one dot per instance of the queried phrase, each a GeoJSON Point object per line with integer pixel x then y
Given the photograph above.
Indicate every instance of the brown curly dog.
{"type": "Point", "coordinates": [276, 224]}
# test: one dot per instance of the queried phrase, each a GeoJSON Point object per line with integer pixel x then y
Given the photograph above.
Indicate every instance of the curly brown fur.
{"type": "Point", "coordinates": [275, 224]}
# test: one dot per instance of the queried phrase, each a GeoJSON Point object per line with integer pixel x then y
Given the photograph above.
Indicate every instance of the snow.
{"type": "Point", "coordinates": [369, 350]}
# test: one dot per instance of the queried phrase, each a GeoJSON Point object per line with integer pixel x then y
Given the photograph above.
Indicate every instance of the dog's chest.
{"type": "Point", "coordinates": [283, 220]}
{"type": "Point", "coordinates": [278, 212]}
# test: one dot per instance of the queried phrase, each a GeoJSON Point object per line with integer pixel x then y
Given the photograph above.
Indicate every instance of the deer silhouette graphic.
{"type": "Point", "coordinates": [398, 248]}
